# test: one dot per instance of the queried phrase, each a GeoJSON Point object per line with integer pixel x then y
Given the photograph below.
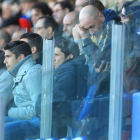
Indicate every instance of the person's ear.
{"type": "Point", "coordinates": [67, 10]}
{"type": "Point", "coordinates": [70, 56]}
{"type": "Point", "coordinates": [21, 56]}
{"type": "Point", "coordinates": [2, 42]}
{"type": "Point", "coordinates": [34, 50]}
{"type": "Point", "coordinates": [50, 30]}
{"type": "Point", "coordinates": [101, 16]}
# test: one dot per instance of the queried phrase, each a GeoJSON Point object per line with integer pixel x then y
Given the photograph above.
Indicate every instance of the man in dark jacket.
{"type": "Point", "coordinates": [69, 84]}
{"type": "Point", "coordinates": [67, 70]}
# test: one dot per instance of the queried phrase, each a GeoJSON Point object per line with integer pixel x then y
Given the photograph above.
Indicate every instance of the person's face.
{"type": "Point", "coordinates": [68, 24]}
{"type": "Point", "coordinates": [78, 6]}
{"type": "Point", "coordinates": [93, 25]}
{"type": "Point", "coordinates": [10, 60]}
{"type": "Point", "coordinates": [58, 13]}
{"type": "Point", "coordinates": [39, 29]}
{"type": "Point", "coordinates": [25, 6]}
{"type": "Point", "coordinates": [119, 4]}
{"type": "Point", "coordinates": [6, 11]}
{"type": "Point", "coordinates": [59, 57]}
{"type": "Point", "coordinates": [36, 13]}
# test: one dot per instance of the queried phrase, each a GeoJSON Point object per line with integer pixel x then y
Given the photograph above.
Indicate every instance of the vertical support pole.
{"type": "Point", "coordinates": [116, 85]}
{"type": "Point", "coordinates": [47, 88]}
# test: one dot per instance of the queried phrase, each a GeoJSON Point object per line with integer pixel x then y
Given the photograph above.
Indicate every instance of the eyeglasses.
{"type": "Point", "coordinates": [56, 11]}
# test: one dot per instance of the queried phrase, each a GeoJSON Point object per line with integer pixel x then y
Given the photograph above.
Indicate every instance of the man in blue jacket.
{"type": "Point", "coordinates": [69, 84]}
{"type": "Point", "coordinates": [95, 29]}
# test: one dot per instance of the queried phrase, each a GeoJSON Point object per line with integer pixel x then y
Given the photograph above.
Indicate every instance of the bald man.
{"type": "Point", "coordinates": [69, 21]}
{"type": "Point", "coordinates": [95, 31]}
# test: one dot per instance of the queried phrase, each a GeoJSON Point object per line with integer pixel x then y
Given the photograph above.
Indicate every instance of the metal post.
{"type": "Point", "coordinates": [116, 86]}
{"type": "Point", "coordinates": [47, 88]}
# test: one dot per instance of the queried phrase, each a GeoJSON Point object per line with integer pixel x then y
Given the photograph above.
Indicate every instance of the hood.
{"type": "Point", "coordinates": [110, 15]}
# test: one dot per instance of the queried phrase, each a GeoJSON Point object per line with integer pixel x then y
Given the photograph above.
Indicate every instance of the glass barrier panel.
{"type": "Point", "coordinates": [58, 84]}
{"type": "Point", "coordinates": [130, 128]}
{"type": "Point", "coordinates": [81, 81]}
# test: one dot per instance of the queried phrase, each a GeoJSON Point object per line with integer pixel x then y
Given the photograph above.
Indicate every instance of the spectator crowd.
{"type": "Point", "coordinates": [81, 32]}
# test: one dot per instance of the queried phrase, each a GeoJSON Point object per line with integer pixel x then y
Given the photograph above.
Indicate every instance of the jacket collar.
{"type": "Point", "coordinates": [23, 66]}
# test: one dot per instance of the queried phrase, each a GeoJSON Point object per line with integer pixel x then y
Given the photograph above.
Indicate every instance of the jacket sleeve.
{"type": "Point", "coordinates": [79, 42]}
{"type": "Point", "coordinates": [89, 48]}
{"type": "Point", "coordinates": [6, 83]}
{"type": "Point", "coordinates": [33, 86]}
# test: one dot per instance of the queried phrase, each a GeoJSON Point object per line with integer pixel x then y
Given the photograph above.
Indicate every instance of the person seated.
{"type": "Point", "coordinates": [4, 38]}
{"type": "Point", "coordinates": [97, 48]}
{"type": "Point", "coordinates": [38, 10]}
{"type": "Point", "coordinates": [27, 77]}
{"type": "Point", "coordinates": [68, 67]}
{"type": "Point", "coordinates": [60, 10]}
{"type": "Point", "coordinates": [69, 21]}
{"type": "Point", "coordinates": [46, 27]}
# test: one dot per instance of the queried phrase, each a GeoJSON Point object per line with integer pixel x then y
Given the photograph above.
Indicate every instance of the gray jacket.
{"type": "Point", "coordinates": [6, 83]}
{"type": "Point", "coordinates": [27, 86]}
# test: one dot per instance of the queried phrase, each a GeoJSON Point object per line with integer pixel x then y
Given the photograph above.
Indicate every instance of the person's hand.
{"type": "Point", "coordinates": [79, 32]}
{"type": "Point", "coordinates": [83, 33]}
{"type": "Point", "coordinates": [101, 67]}
{"type": "Point", "coordinates": [75, 32]}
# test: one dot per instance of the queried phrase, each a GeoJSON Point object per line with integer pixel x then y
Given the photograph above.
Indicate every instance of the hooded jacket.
{"type": "Point", "coordinates": [100, 50]}
{"type": "Point", "coordinates": [69, 84]}
{"type": "Point", "coordinates": [75, 74]}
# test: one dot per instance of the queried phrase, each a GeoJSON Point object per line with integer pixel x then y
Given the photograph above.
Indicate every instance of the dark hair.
{"type": "Point", "coordinates": [43, 7]}
{"type": "Point", "coordinates": [2, 59]}
{"type": "Point", "coordinates": [34, 40]}
{"type": "Point", "coordinates": [49, 21]}
{"type": "Point", "coordinates": [98, 4]}
{"type": "Point", "coordinates": [15, 1]}
{"type": "Point", "coordinates": [10, 21]}
{"type": "Point", "coordinates": [65, 4]}
{"type": "Point", "coordinates": [18, 47]}
{"type": "Point", "coordinates": [28, 1]}
{"type": "Point", "coordinates": [69, 47]}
